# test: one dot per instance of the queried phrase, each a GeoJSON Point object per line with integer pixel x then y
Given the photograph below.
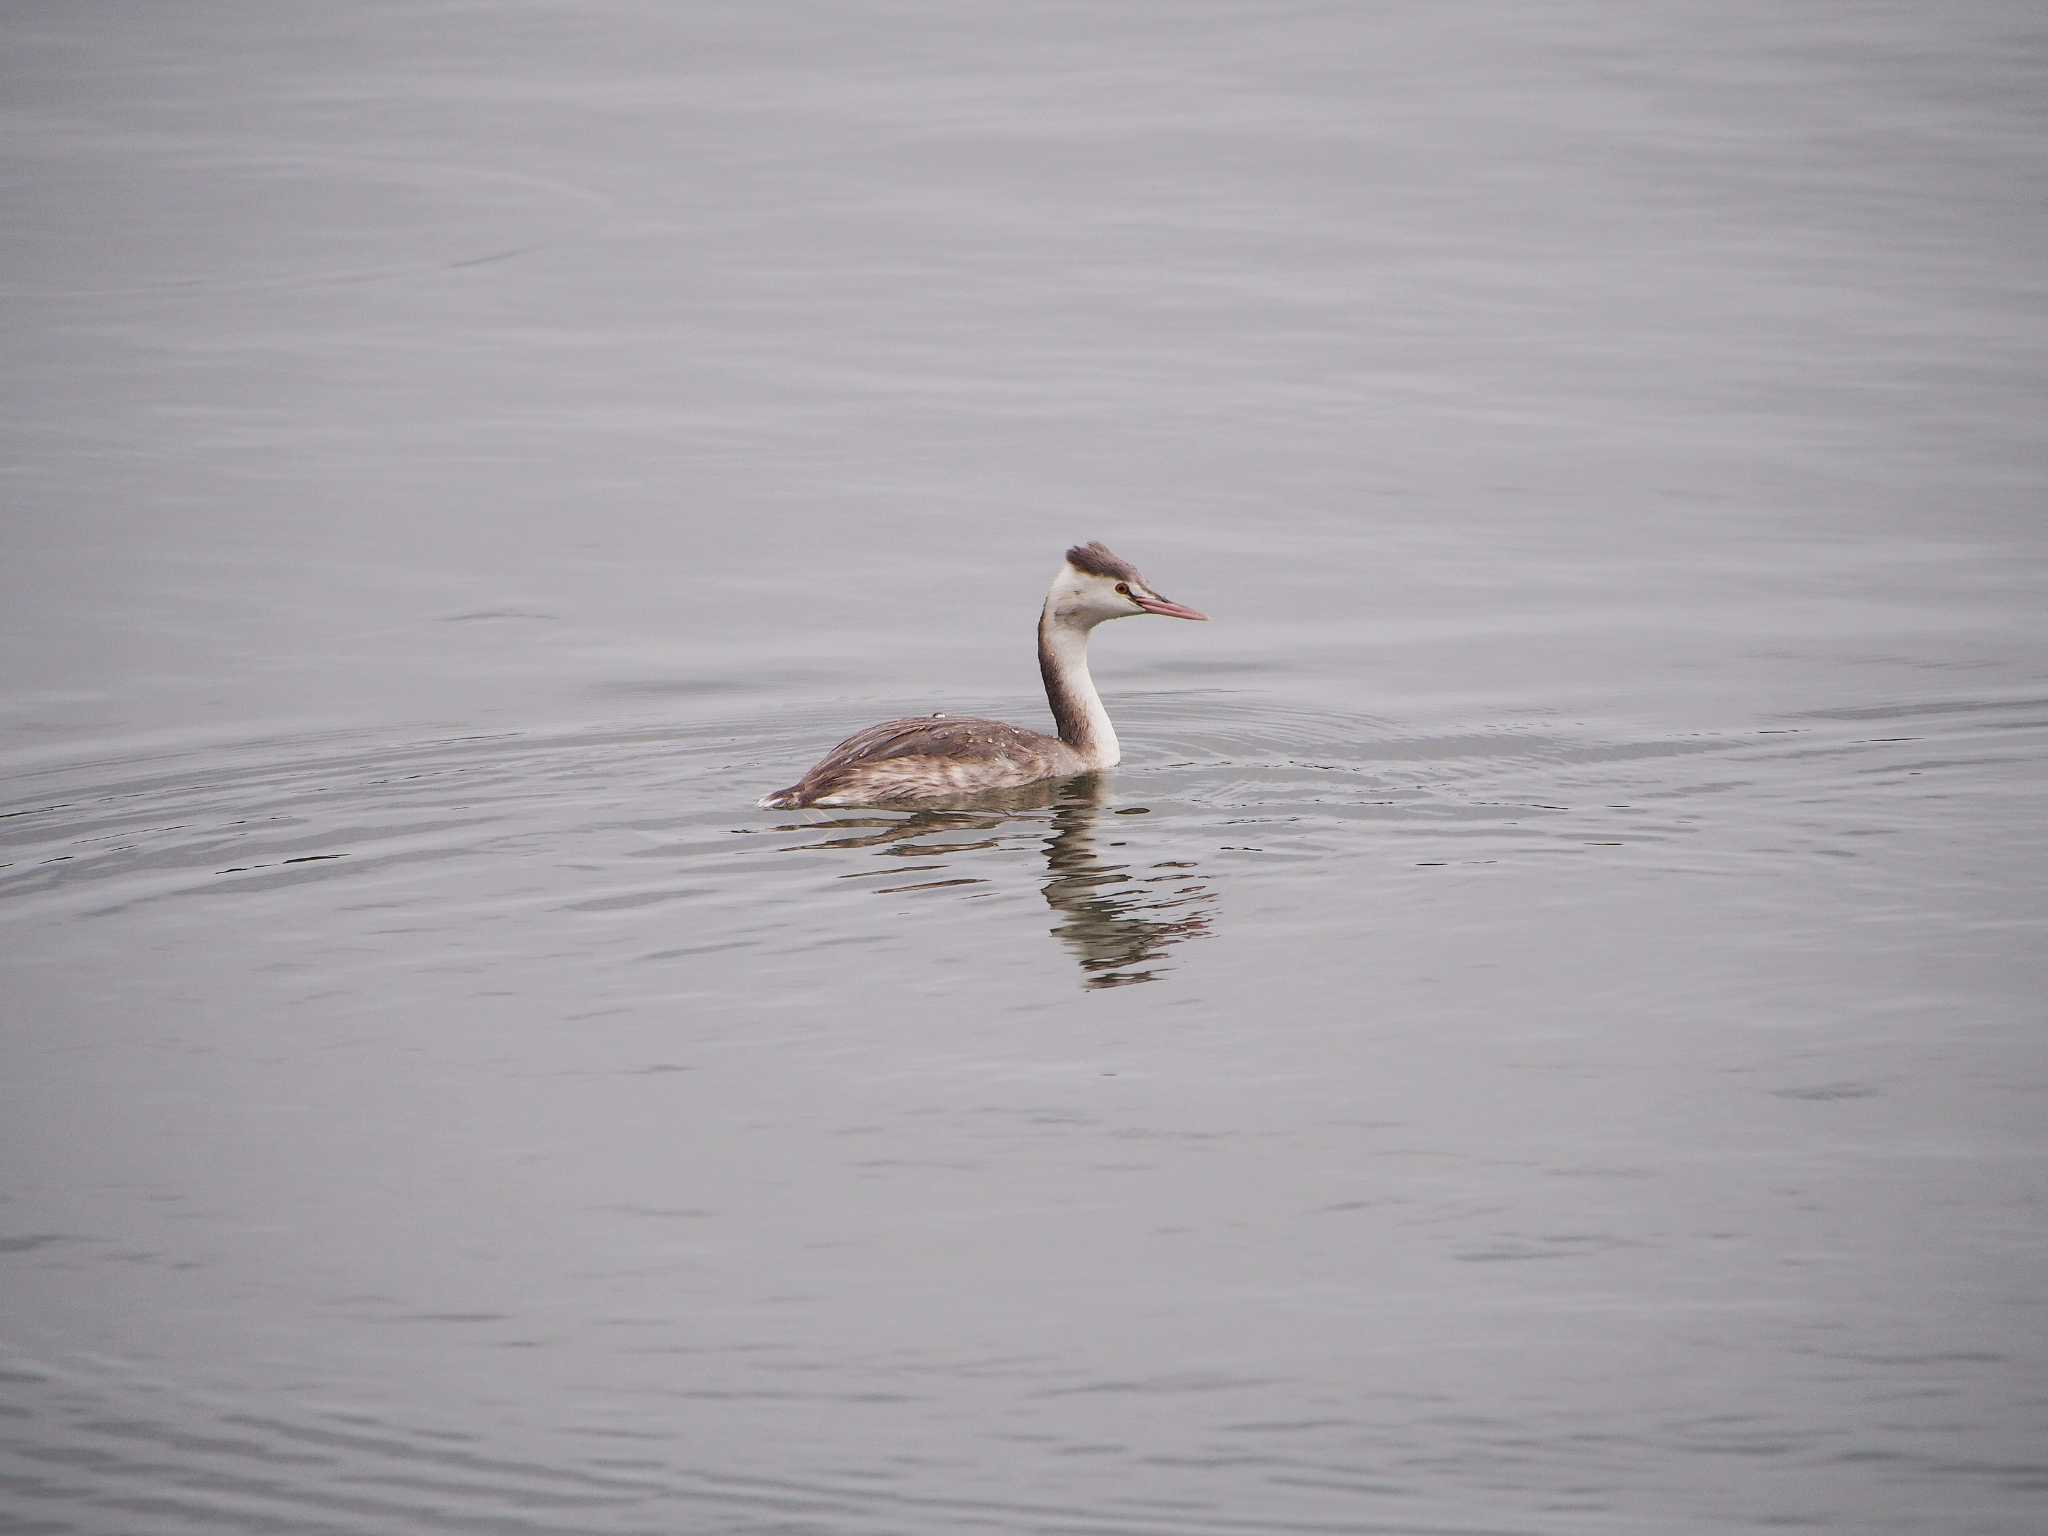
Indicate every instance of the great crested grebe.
{"type": "Point", "coordinates": [939, 757]}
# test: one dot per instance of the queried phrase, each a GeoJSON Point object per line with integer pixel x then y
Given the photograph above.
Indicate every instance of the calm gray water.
{"type": "Point", "coordinates": [1544, 1033]}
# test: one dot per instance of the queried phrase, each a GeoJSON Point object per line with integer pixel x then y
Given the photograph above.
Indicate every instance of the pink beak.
{"type": "Point", "coordinates": [1159, 605]}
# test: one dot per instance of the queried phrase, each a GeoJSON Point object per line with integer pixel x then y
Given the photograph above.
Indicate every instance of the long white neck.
{"type": "Point", "coordinates": [1076, 706]}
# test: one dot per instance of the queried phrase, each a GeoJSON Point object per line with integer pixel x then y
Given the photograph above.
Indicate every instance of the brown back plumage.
{"type": "Point", "coordinates": [940, 738]}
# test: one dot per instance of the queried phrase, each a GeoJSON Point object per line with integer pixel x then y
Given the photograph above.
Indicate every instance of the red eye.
{"type": "Point", "coordinates": [1124, 587]}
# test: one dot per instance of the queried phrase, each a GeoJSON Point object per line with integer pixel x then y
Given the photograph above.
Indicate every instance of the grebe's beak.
{"type": "Point", "coordinates": [1152, 602]}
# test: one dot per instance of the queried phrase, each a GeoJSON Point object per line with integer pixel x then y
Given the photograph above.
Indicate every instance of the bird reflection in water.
{"type": "Point", "coordinates": [1117, 918]}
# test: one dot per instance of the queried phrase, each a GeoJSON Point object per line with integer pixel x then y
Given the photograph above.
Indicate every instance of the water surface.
{"type": "Point", "coordinates": [1543, 1033]}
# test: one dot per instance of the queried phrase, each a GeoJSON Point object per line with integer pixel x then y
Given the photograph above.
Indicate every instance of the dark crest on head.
{"type": "Point", "coordinates": [1097, 560]}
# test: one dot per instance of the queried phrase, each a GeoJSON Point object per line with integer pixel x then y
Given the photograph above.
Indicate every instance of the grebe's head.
{"type": "Point", "coordinates": [1095, 584]}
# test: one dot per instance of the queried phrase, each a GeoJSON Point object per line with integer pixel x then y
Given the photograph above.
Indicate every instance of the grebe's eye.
{"type": "Point", "coordinates": [1124, 587]}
